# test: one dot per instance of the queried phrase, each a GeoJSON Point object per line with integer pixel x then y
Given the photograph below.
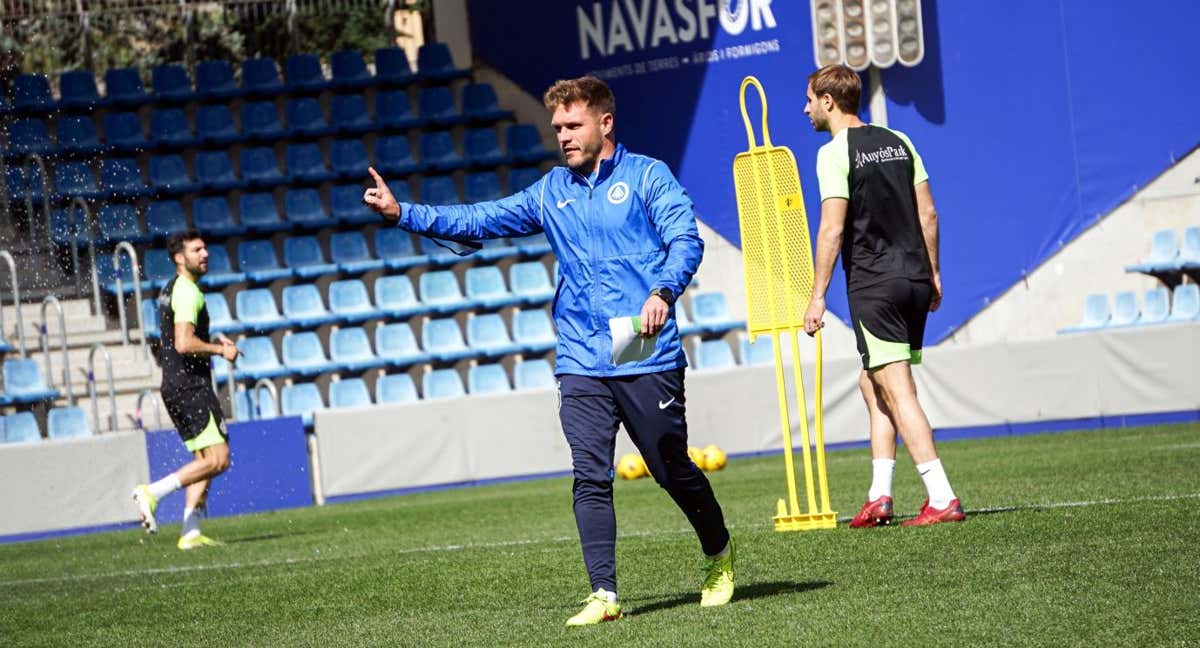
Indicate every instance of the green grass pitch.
{"type": "Point", "coordinates": [1085, 538]}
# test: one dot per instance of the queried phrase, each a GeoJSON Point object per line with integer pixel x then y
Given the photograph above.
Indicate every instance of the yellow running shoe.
{"type": "Point", "coordinates": [146, 505]}
{"type": "Point", "coordinates": [718, 580]}
{"type": "Point", "coordinates": [597, 608]}
{"type": "Point", "coordinates": [196, 542]}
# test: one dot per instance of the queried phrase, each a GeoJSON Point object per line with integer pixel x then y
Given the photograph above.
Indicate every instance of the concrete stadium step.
{"type": "Point", "coordinates": [128, 365]}
{"type": "Point", "coordinates": [73, 309]}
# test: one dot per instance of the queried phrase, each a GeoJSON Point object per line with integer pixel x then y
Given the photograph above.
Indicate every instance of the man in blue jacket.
{"type": "Point", "coordinates": [625, 236]}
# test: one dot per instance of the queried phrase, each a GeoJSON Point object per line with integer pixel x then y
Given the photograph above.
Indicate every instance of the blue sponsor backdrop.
{"type": "Point", "coordinates": [1035, 117]}
{"type": "Point", "coordinates": [268, 470]}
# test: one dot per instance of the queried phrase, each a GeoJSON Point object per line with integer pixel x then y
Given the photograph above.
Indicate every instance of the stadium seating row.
{"type": "Point", "coordinates": [61, 423]}
{"type": "Point", "coordinates": [1158, 307]}
{"type": "Point", "coordinates": [1167, 256]}
{"type": "Point", "coordinates": [24, 383]}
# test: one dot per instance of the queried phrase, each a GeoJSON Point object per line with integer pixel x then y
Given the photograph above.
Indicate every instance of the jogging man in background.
{"type": "Point", "coordinates": [877, 210]}
{"type": "Point", "coordinates": [187, 391]}
{"type": "Point", "coordinates": [625, 236]}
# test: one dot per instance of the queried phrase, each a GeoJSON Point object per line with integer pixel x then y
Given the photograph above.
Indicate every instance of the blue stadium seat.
{"type": "Point", "coordinates": [349, 70]}
{"type": "Point", "coordinates": [347, 208]}
{"type": "Point", "coordinates": [393, 111]}
{"type": "Point", "coordinates": [122, 178]}
{"type": "Point", "coordinates": [519, 179]}
{"type": "Point", "coordinates": [302, 304]}
{"type": "Point", "coordinates": [442, 383]}
{"type": "Point", "coordinates": [31, 94]}
{"type": "Point", "coordinates": [123, 87]}
{"type": "Point", "coordinates": [1156, 307]}
{"type": "Point", "coordinates": [437, 107]}
{"type": "Point", "coordinates": [303, 354]}
{"type": "Point", "coordinates": [257, 213]}
{"type": "Point", "coordinates": [75, 180]}
{"type": "Point", "coordinates": [169, 128]}
{"type": "Point", "coordinates": [530, 282]}
{"type": "Point", "coordinates": [482, 187]}
{"type": "Point", "coordinates": [533, 246]}
{"type": "Point", "coordinates": [714, 354]}
{"type": "Point", "coordinates": [1164, 253]}
{"type": "Point", "coordinates": [684, 323]}
{"type": "Point", "coordinates": [349, 114]}
{"type": "Point", "coordinates": [220, 268]}
{"type": "Point", "coordinates": [220, 318]}
{"type": "Point", "coordinates": [258, 360]}
{"type": "Point", "coordinates": [247, 408]}
{"type": "Point", "coordinates": [350, 303]}
{"type": "Point", "coordinates": [214, 170]}
{"type": "Point", "coordinates": [760, 352]}
{"type": "Point", "coordinates": [23, 382]}
{"type": "Point", "coordinates": [303, 400]}
{"type": "Point", "coordinates": [258, 260]}
{"type": "Point", "coordinates": [303, 208]}
{"type": "Point", "coordinates": [348, 158]}
{"type": "Point", "coordinates": [442, 339]}
{"type": "Point", "coordinates": [260, 121]}
{"type": "Point", "coordinates": [164, 218]}
{"type": "Point", "coordinates": [260, 168]}
{"type": "Point", "coordinates": [488, 379]}
{"type": "Point", "coordinates": [480, 103]}
{"type": "Point", "coordinates": [305, 118]}
{"type": "Point", "coordinates": [260, 77]}
{"type": "Point", "coordinates": [494, 249]}
{"type": "Point", "coordinates": [19, 189]}
{"type": "Point", "coordinates": [482, 148]}
{"type": "Point", "coordinates": [392, 66]}
{"type": "Point", "coordinates": [211, 215]}
{"type": "Point", "coordinates": [169, 175]}
{"type": "Point", "coordinates": [440, 291]}
{"type": "Point", "coordinates": [150, 317]}
{"type": "Point", "coordinates": [1125, 309]}
{"type": "Point", "coordinates": [438, 152]}
{"type": "Point", "coordinates": [395, 388]}
{"type": "Point", "coordinates": [120, 223]}
{"type": "Point", "coordinates": [439, 190]}
{"type": "Point", "coordinates": [303, 74]}
{"type": "Point", "coordinates": [393, 156]}
{"type": "Point", "coordinates": [5, 106]}
{"type": "Point", "coordinates": [214, 125]}
{"type": "Point", "coordinates": [486, 289]}
{"type": "Point", "coordinates": [534, 374]}
{"type": "Point", "coordinates": [349, 251]}
{"type": "Point", "coordinates": [397, 346]}
{"type": "Point", "coordinates": [123, 131]}
{"type": "Point", "coordinates": [434, 62]}
{"type": "Point", "coordinates": [525, 144]}
{"type": "Point", "coordinates": [214, 80]}
{"type": "Point", "coordinates": [350, 392]}
{"type": "Point", "coordinates": [303, 254]}
{"type": "Point", "coordinates": [351, 350]}
{"type": "Point", "coordinates": [67, 423]}
{"type": "Point", "coordinates": [67, 227]}
{"type": "Point", "coordinates": [306, 163]}
{"type": "Point", "coordinates": [1189, 252]}
{"type": "Point", "coordinates": [533, 332]}
{"type": "Point", "coordinates": [711, 311]}
{"type": "Point", "coordinates": [169, 83]}
{"type": "Point", "coordinates": [108, 275]}
{"type": "Point", "coordinates": [1185, 305]}
{"type": "Point", "coordinates": [256, 310]}
{"type": "Point", "coordinates": [77, 135]}
{"type": "Point", "coordinates": [27, 136]}
{"type": "Point", "coordinates": [22, 427]}
{"type": "Point", "coordinates": [395, 247]}
{"type": "Point", "coordinates": [488, 335]}
{"type": "Point", "coordinates": [77, 89]}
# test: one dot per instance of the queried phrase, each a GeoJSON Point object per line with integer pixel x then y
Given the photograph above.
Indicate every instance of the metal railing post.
{"type": "Point", "coordinates": [127, 247]}
{"type": "Point", "coordinates": [16, 291]}
{"type": "Point", "coordinates": [44, 334]}
{"type": "Point", "coordinates": [41, 163]}
{"type": "Point", "coordinates": [112, 392]}
{"type": "Point", "coordinates": [88, 221]}
{"type": "Point", "coordinates": [255, 404]}
{"type": "Point", "coordinates": [138, 419]}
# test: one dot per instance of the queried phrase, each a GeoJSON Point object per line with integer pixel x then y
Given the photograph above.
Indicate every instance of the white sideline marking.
{"type": "Point", "coordinates": [183, 569]}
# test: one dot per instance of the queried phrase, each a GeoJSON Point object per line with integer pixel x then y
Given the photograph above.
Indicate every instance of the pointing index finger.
{"type": "Point", "coordinates": [379, 184]}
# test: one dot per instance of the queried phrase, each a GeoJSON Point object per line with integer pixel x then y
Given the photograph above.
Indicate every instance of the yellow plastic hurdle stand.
{"type": "Point", "coordinates": [778, 260]}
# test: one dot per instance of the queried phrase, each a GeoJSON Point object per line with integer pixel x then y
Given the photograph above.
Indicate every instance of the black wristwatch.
{"type": "Point", "coordinates": [664, 294]}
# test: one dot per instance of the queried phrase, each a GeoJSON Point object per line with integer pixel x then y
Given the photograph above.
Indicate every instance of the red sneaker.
{"type": "Point", "coordinates": [874, 513]}
{"type": "Point", "coordinates": [929, 515]}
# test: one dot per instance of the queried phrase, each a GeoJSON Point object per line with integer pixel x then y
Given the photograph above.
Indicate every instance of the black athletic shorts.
{"type": "Point", "coordinates": [191, 410]}
{"type": "Point", "coordinates": [889, 320]}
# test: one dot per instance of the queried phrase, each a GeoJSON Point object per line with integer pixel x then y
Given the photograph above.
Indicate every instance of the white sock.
{"type": "Point", "coordinates": [720, 554]}
{"type": "Point", "coordinates": [936, 483]}
{"type": "Point", "coordinates": [165, 486]}
{"type": "Point", "coordinates": [881, 478]}
{"type": "Point", "coordinates": [191, 523]}
{"type": "Point", "coordinates": [611, 596]}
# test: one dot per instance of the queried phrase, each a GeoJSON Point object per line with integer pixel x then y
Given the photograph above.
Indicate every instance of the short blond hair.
{"type": "Point", "coordinates": [591, 91]}
{"type": "Point", "coordinates": [839, 82]}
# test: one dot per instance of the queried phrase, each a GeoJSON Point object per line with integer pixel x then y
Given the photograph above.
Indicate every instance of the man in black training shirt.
{"type": "Point", "coordinates": [187, 391]}
{"type": "Point", "coordinates": [877, 211]}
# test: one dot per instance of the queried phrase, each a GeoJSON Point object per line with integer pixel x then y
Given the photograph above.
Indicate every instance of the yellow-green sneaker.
{"type": "Point", "coordinates": [718, 580]}
{"type": "Point", "coordinates": [597, 609]}
{"type": "Point", "coordinates": [146, 505]}
{"type": "Point", "coordinates": [197, 541]}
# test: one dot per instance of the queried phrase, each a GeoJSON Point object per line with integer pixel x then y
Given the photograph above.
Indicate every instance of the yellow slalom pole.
{"type": "Point", "coordinates": [806, 439]}
{"type": "Point", "coordinates": [786, 424]}
{"type": "Point", "coordinates": [822, 477]}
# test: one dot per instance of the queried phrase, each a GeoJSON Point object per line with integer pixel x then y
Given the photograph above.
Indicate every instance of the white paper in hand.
{"type": "Point", "coordinates": [627, 344]}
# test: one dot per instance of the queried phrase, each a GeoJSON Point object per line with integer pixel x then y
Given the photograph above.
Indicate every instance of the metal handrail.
{"type": "Point", "coordinates": [127, 247]}
{"type": "Point", "coordinates": [16, 291]}
{"type": "Point", "coordinates": [137, 414]}
{"type": "Point", "coordinates": [112, 391]}
{"type": "Point", "coordinates": [89, 220]}
{"type": "Point", "coordinates": [35, 158]}
{"type": "Point", "coordinates": [44, 334]}
{"type": "Point", "coordinates": [269, 385]}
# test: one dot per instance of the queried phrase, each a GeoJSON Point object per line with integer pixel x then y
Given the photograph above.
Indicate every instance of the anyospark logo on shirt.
{"type": "Point", "coordinates": [618, 193]}
{"type": "Point", "coordinates": [883, 154]}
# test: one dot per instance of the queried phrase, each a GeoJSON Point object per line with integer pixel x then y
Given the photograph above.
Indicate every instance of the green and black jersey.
{"type": "Point", "coordinates": [181, 301]}
{"type": "Point", "coordinates": [876, 169]}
